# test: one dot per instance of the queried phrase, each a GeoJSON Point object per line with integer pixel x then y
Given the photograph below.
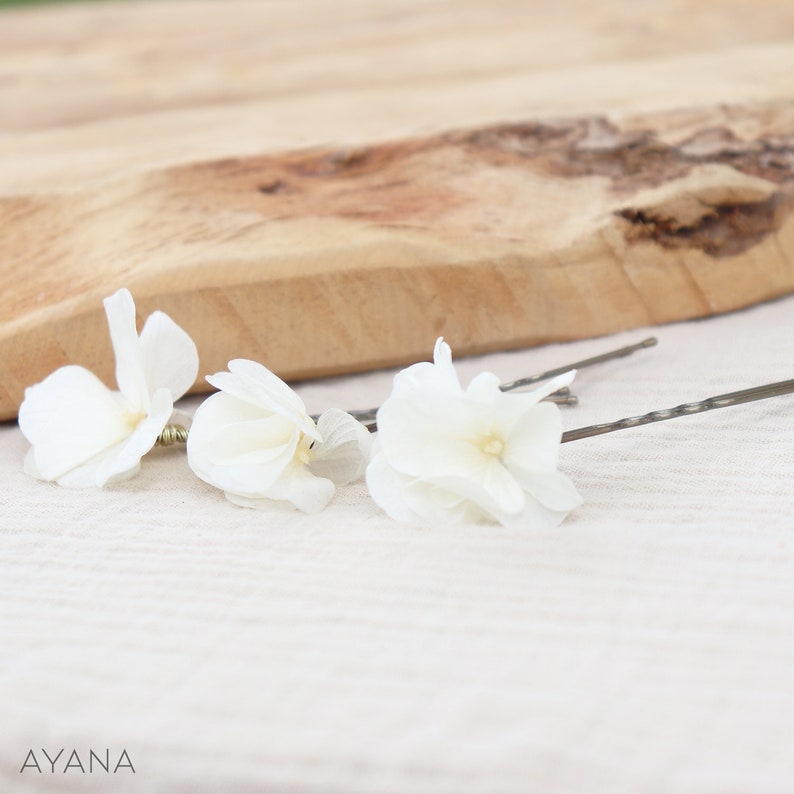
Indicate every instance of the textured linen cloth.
{"type": "Point", "coordinates": [645, 645]}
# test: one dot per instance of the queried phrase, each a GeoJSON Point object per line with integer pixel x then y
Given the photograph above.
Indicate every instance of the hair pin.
{"type": "Point", "coordinates": [685, 409]}
{"type": "Point", "coordinates": [447, 455]}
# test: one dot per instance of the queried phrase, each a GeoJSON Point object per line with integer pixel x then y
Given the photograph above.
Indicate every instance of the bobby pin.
{"type": "Point", "coordinates": [709, 404]}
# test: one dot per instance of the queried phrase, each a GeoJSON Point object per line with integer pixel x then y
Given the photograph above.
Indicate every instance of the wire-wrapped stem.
{"type": "Point", "coordinates": [172, 434]}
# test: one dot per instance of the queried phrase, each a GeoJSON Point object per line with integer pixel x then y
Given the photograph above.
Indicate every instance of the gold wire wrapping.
{"type": "Point", "coordinates": [171, 434]}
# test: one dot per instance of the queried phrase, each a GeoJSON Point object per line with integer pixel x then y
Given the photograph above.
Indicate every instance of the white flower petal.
{"type": "Point", "coordinates": [29, 466]}
{"type": "Point", "coordinates": [513, 406]}
{"type": "Point", "coordinates": [85, 476]}
{"type": "Point", "coordinates": [442, 355]}
{"type": "Point", "coordinates": [480, 455]}
{"type": "Point", "coordinates": [255, 503]}
{"type": "Point", "coordinates": [237, 446]}
{"type": "Point", "coordinates": [387, 488]}
{"type": "Point", "coordinates": [343, 453]}
{"type": "Point", "coordinates": [226, 429]}
{"type": "Point", "coordinates": [170, 357]}
{"type": "Point", "coordinates": [84, 434]}
{"type": "Point", "coordinates": [81, 477]}
{"type": "Point", "coordinates": [127, 461]}
{"type": "Point", "coordinates": [427, 437]}
{"type": "Point", "coordinates": [485, 388]}
{"type": "Point", "coordinates": [412, 500]}
{"type": "Point", "coordinates": [535, 517]}
{"type": "Point", "coordinates": [492, 489]}
{"type": "Point", "coordinates": [268, 389]}
{"type": "Point", "coordinates": [534, 443]}
{"type": "Point", "coordinates": [69, 418]}
{"type": "Point", "coordinates": [263, 441]}
{"type": "Point", "coordinates": [554, 490]}
{"type": "Point", "coordinates": [256, 384]}
{"type": "Point", "coordinates": [438, 378]}
{"type": "Point", "coordinates": [220, 410]}
{"type": "Point", "coordinates": [555, 384]}
{"type": "Point", "coordinates": [246, 479]}
{"type": "Point", "coordinates": [130, 374]}
{"type": "Point", "coordinates": [300, 487]}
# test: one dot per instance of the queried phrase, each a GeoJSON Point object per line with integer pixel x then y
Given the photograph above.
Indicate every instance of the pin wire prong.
{"type": "Point", "coordinates": [685, 409]}
{"type": "Point", "coordinates": [587, 362]}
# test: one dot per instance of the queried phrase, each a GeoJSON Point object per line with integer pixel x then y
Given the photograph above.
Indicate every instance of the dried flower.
{"type": "Point", "coordinates": [84, 434]}
{"type": "Point", "coordinates": [447, 455]}
{"type": "Point", "coordinates": [255, 441]}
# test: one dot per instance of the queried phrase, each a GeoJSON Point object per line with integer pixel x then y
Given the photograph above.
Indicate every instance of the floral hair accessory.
{"type": "Point", "coordinates": [82, 433]}
{"type": "Point", "coordinates": [442, 453]}
{"type": "Point", "coordinates": [448, 454]}
{"type": "Point", "coordinates": [255, 441]}
{"type": "Point", "coordinates": [445, 454]}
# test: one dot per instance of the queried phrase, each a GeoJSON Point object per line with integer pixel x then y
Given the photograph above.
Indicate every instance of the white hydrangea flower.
{"type": "Point", "coordinates": [255, 441]}
{"type": "Point", "coordinates": [82, 433]}
{"type": "Point", "coordinates": [445, 455]}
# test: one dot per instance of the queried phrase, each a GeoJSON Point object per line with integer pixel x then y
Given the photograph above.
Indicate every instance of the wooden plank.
{"type": "Point", "coordinates": [328, 187]}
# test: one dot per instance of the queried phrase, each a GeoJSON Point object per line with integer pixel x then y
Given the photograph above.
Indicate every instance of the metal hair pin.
{"type": "Point", "coordinates": [686, 409]}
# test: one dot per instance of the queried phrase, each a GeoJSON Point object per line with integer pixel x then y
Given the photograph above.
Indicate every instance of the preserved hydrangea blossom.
{"type": "Point", "coordinates": [255, 441]}
{"type": "Point", "coordinates": [444, 454]}
{"type": "Point", "coordinates": [84, 434]}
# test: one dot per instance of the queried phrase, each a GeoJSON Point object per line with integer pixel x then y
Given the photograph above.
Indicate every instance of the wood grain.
{"type": "Point", "coordinates": [328, 187]}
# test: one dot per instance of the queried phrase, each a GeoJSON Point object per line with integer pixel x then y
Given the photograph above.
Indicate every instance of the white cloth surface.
{"type": "Point", "coordinates": [645, 645]}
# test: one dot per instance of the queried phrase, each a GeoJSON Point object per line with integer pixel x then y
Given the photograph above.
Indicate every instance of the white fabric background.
{"type": "Point", "coordinates": [646, 645]}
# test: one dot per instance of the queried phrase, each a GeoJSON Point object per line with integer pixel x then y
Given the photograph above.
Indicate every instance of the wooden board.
{"type": "Point", "coordinates": [327, 187]}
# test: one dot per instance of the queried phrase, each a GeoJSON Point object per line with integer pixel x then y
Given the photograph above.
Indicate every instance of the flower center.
{"type": "Point", "coordinates": [492, 445]}
{"type": "Point", "coordinates": [133, 418]}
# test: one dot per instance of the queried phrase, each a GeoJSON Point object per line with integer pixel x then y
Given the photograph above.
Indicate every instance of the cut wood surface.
{"type": "Point", "coordinates": [328, 187]}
